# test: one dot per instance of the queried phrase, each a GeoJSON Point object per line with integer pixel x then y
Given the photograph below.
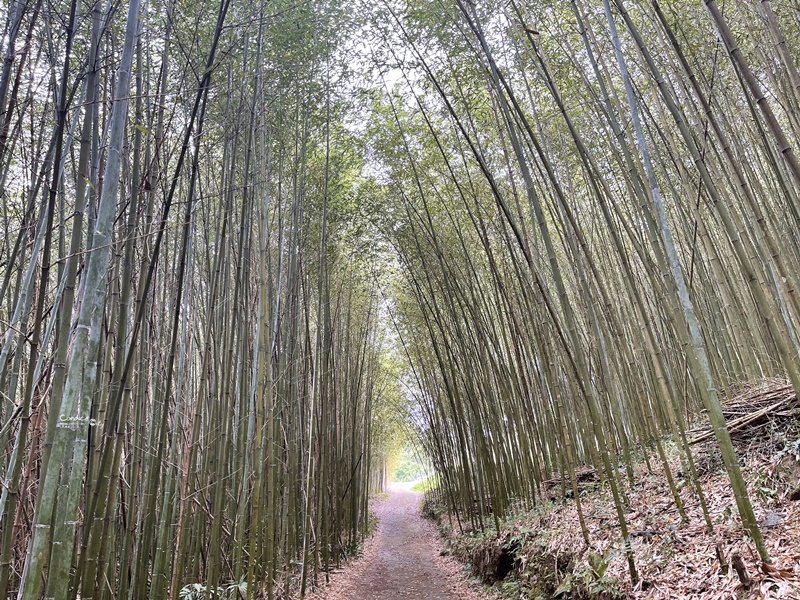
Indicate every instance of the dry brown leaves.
{"type": "Point", "coordinates": [677, 560]}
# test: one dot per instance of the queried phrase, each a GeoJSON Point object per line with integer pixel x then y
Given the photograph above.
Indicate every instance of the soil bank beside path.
{"type": "Point", "coordinates": [402, 560]}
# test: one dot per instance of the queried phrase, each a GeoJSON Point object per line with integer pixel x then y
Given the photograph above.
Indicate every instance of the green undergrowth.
{"type": "Point", "coordinates": [517, 562]}
{"type": "Point", "coordinates": [426, 484]}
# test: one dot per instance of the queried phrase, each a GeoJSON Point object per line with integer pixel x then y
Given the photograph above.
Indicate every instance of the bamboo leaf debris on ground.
{"type": "Point", "coordinates": [542, 551]}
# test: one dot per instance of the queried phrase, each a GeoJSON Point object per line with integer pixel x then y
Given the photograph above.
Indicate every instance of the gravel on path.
{"type": "Point", "coordinates": [402, 560]}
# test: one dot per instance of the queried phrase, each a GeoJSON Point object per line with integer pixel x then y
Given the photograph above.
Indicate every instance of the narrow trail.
{"type": "Point", "coordinates": [402, 559]}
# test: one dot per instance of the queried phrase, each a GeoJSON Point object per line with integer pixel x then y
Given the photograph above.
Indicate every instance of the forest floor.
{"type": "Point", "coordinates": [540, 553]}
{"type": "Point", "coordinates": [404, 559]}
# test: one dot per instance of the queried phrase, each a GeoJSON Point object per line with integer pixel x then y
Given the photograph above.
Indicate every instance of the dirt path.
{"type": "Point", "coordinates": [402, 560]}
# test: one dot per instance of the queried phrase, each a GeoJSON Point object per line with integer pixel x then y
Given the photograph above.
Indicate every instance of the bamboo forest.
{"type": "Point", "coordinates": [264, 261]}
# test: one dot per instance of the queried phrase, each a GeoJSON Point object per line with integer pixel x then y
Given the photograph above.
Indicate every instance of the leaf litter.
{"type": "Point", "coordinates": [403, 559]}
{"type": "Point", "coordinates": [673, 559]}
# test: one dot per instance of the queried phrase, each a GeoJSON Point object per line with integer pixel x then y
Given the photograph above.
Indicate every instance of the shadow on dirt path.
{"type": "Point", "coordinates": [402, 560]}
